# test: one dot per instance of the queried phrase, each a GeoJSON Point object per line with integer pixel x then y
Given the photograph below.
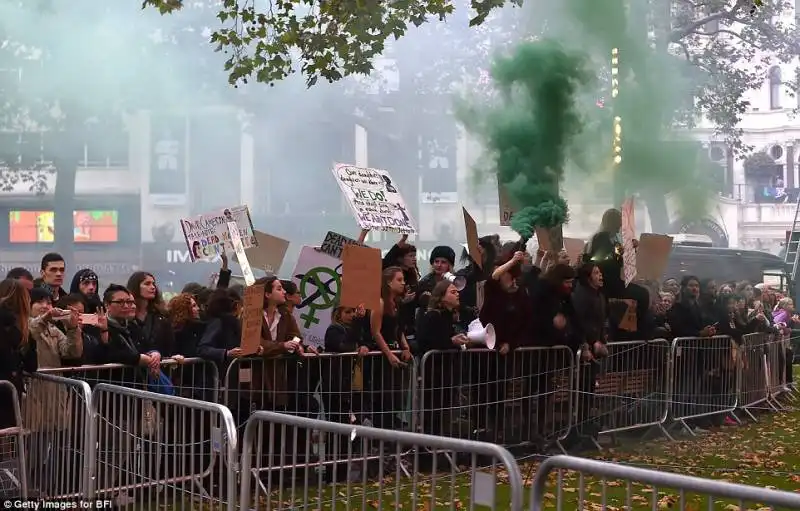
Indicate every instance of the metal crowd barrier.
{"type": "Point", "coordinates": [56, 411]}
{"type": "Point", "coordinates": [627, 390]}
{"type": "Point", "coordinates": [340, 387]}
{"type": "Point", "coordinates": [753, 371]}
{"type": "Point", "coordinates": [156, 449]}
{"type": "Point", "coordinates": [329, 469]}
{"type": "Point", "coordinates": [704, 377]}
{"type": "Point", "coordinates": [617, 485]}
{"type": "Point", "coordinates": [191, 377]}
{"type": "Point", "coordinates": [524, 398]}
{"type": "Point", "coordinates": [13, 458]}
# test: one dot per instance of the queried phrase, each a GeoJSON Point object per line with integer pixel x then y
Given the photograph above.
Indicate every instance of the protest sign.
{"type": "Point", "coordinates": [574, 248]}
{"type": "Point", "coordinates": [252, 319]}
{"type": "Point", "coordinates": [628, 237]}
{"type": "Point", "coordinates": [652, 255]}
{"type": "Point", "coordinates": [318, 280]}
{"type": "Point", "coordinates": [207, 234]}
{"type": "Point", "coordinates": [473, 248]}
{"type": "Point", "coordinates": [335, 242]}
{"type": "Point", "coordinates": [361, 277]}
{"type": "Point", "coordinates": [506, 210]}
{"type": "Point", "coordinates": [241, 257]}
{"type": "Point", "coordinates": [374, 198]}
{"type": "Point", "coordinates": [269, 253]}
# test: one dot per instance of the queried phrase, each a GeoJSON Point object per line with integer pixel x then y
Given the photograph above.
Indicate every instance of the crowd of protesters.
{"type": "Point", "coordinates": [539, 299]}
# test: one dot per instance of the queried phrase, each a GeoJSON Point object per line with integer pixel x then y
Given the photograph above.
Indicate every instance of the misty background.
{"type": "Point", "coordinates": [134, 111]}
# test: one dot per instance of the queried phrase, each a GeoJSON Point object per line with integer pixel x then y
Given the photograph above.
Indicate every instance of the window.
{"type": "Point", "coordinates": [775, 88]}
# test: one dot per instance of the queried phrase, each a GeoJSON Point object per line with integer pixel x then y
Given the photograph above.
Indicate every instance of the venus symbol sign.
{"type": "Point", "coordinates": [318, 288]}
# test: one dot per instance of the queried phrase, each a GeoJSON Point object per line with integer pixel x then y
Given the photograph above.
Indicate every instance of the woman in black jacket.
{"type": "Point", "coordinates": [437, 329]}
{"type": "Point", "coordinates": [153, 332]}
{"type": "Point", "coordinates": [345, 335]}
{"type": "Point", "coordinates": [404, 256]}
{"type": "Point", "coordinates": [17, 349]}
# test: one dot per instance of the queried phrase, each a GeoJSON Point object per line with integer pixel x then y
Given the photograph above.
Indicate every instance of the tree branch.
{"type": "Point", "coordinates": [692, 27]}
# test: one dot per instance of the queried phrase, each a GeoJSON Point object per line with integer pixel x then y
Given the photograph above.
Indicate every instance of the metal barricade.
{"type": "Point", "coordinates": [615, 486]}
{"type": "Point", "coordinates": [753, 385]}
{"type": "Point", "coordinates": [340, 387]}
{"type": "Point", "coordinates": [523, 398]}
{"type": "Point", "coordinates": [338, 476]}
{"type": "Point", "coordinates": [13, 458]}
{"type": "Point", "coordinates": [56, 412]}
{"type": "Point", "coordinates": [627, 390]}
{"type": "Point", "coordinates": [192, 378]}
{"type": "Point", "coordinates": [777, 368]}
{"type": "Point", "coordinates": [156, 449]}
{"type": "Point", "coordinates": [704, 377]}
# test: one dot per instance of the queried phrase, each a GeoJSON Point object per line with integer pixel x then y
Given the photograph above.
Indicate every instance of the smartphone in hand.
{"type": "Point", "coordinates": [88, 319]}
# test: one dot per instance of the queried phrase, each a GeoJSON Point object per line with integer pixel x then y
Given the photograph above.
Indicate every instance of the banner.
{"type": "Point", "coordinates": [207, 234]}
{"type": "Point", "coordinates": [628, 237]}
{"type": "Point", "coordinates": [318, 277]}
{"type": "Point", "coordinates": [374, 198]}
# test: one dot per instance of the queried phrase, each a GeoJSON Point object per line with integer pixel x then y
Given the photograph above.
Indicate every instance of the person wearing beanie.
{"type": "Point", "coordinates": [442, 260]}
{"type": "Point", "coordinates": [86, 283]}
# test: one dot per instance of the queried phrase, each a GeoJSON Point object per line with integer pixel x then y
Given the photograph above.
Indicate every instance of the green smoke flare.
{"type": "Point", "coordinates": [529, 129]}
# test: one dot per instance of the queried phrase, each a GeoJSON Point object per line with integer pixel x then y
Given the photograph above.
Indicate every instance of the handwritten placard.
{"type": "Point", "coordinates": [374, 198]}
{"type": "Point", "coordinates": [252, 319]}
{"type": "Point", "coordinates": [628, 238]}
{"type": "Point", "coordinates": [335, 242]}
{"type": "Point", "coordinates": [506, 210]}
{"type": "Point", "coordinates": [207, 235]}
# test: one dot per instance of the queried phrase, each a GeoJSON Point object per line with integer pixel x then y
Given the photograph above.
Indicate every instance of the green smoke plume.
{"type": "Point", "coordinates": [528, 129]}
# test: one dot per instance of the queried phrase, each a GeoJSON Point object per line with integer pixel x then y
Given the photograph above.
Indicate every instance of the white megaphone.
{"type": "Point", "coordinates": [459, 282]}
{"type": "Point", "coordinates": [480, 334]}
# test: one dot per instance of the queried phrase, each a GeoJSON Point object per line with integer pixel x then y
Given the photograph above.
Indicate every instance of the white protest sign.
{"type": "Point", "coordinates": [374, 198]}
{"type": "Point", "coordinates": [207, 234]}
{"type": "Point", "coordinates": [241, 256]}
{"type": "Point", "coordinates": [628, 237]}
{"type": "Point", "coordinates": [318, 277]}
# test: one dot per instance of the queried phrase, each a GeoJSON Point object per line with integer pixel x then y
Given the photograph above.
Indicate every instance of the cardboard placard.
{"type": "Point", "coordinates": [628, 237]}
{"type": "Point", "coordinates": [627, 320]}
{"type": "Point", "coordinates": [472, 238]}
{"type": "Point", "coordinates": [241, 256]}
{"type": "Point", "coordinates": [574, 248]}
{"type": "Point", "coordinates": [374, 198]}
{"type": "Point", "coordinates": [506, 210]}
{"type": "Point", "coordinates": [362, 272]}
{"type": "Point", "coordinates": [543, 236]}
{"type": "Point", "coordinates": [652, 255]}
{"type": "Point", "coordinates": [335, 242]}
{"type": "Point", "coordinates": [252, 319]}
{"type": "Point", "coordinates": [269, 253]}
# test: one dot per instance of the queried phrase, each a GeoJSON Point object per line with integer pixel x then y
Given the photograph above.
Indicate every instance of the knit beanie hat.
{"type": "Point", "coordinates": [443, 252]}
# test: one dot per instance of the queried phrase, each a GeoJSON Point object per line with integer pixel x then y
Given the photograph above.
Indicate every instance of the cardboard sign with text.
{"type": "Point", "coordinates": [472, 238]}
{"type": "Point", "coordinates": [269, 253]}
{"type": "Point", "coordinates": [652, 255]}
{"type": "Point", "coordinates": [628, 237]}
{"type": "Point", "coordinates": [624, 312]}
{"type": "Point", "coordinates": [506, 210]}
{"type": "Point", "coordinates": [335, 242]}
{"type": "Point", "coordinates": [252, 319]}
{"type": "Point", "coordinates": [361, 277]}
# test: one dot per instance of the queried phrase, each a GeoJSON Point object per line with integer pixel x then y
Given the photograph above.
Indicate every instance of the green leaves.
{"type": "Point", "coordinates": [328, 39]}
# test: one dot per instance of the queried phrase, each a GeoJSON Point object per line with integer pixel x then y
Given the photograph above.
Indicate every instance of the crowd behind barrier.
{"type": "Point", "coordinates": [415, 397]}
{"type": "Point", "coordinates": [108, 432]}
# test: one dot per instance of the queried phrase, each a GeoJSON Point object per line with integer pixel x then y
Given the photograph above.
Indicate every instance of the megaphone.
{"type": "Point", "coordinates": [459, 282]}
{"type": "Point", "coordinates": [480, 334]}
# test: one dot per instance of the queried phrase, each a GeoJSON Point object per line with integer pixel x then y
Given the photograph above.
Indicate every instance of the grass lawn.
{"type": "Point", "coordinates": [765, 454]}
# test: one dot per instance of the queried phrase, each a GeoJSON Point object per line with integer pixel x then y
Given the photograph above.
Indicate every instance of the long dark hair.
{"type": "Point", "coordinates": [15, 298]}
{"type": "Point", "coordinates": [390, 303]}
{"type": "Point", "coordinates": [156, 305]}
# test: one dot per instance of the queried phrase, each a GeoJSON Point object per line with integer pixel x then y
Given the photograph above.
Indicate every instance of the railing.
{"type": "Point", "coordinates": [101, 431]}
